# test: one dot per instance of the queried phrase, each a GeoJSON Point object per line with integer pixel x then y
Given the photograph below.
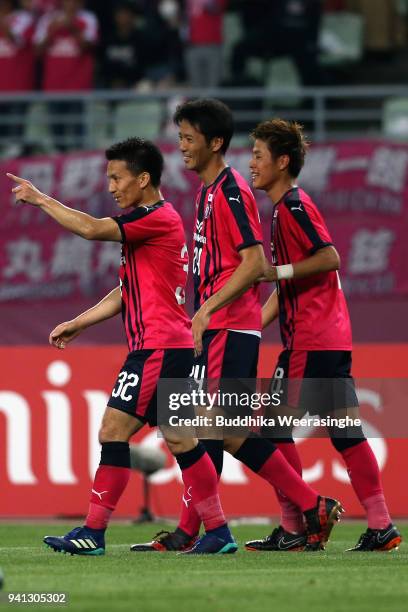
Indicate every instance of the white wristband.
{"type": "Point", "coordinates": [285, 271]}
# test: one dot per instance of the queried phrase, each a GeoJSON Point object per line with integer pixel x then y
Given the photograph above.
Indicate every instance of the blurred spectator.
{"type": "Point", "coordinates": [122, 53]}
{"type": "Point", "coordinates": [163, 49]}
{"type": "Point", "coordinates": [383, 27]}
{"type": "Point", "coordinates": [16, 52]}
{"type": "Point", "coordinates": [39, 7]}
{"type": "Point", "coordinates": [280, 28]}
{"type": "Point", "coordinates": [16, 61]}
{"type": "Point", "coordinates": [66, 40]}
{"type": "Point", "coordinates": [104, 9]}
{"type": "Point", "coordinates": [204, 42]}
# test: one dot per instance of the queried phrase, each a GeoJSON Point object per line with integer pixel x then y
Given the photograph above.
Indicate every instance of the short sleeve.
{"type": "Point", "coordinates": [307, 225]}
{"type": "Point", "coordinates": [142, 224]}
{"type": "Point", "coordinates": [242, 216]}
{"type": "Point", "coordinates": [90, 31]}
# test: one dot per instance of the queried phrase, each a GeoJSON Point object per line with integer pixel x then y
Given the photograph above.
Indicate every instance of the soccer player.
{"type": "Point", "coordinates": [315, 330]}
{"type": "Point", "coordinates": [228, 261]}
{"type": "Point", "coordinates": [153, 275]}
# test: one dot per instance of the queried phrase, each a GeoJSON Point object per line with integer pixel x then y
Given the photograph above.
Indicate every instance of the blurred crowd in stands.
{"type": "Point", "coordinates": [75, 45]}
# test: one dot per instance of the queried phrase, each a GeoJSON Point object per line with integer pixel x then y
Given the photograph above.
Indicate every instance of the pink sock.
{"type": "Point", "coordinates": [109, 483]}
{"type": "Point", "coordinates": [365, 478]}
{"type": "Point", "coordinates": [189, 520]}
{"type": "Point", "coordinates": [277, 471]}
{"type": "Point", "coordinates": [291, 515]}
{"type": "Point", "coordinates": [98, 516]}
{"type": "Point", "coordinates": [201, 491]}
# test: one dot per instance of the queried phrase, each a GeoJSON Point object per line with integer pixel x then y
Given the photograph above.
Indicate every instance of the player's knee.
{"type": "Point", "coordinates": [110, 432]}
{"type": "Point", "coordinates": [175, 447]}
{"type": "Point", "coordinates": [231, 445]}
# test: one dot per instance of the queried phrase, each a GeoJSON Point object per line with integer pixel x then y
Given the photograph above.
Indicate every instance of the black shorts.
{"type": "Point", "coordinates": [227, 354]}
{"type": "Point", "coordinates": [228, 364]}
{"type": "Point", "coordinates": [135, 391]}
{"type": "Point", "coordinates": [317, 382]}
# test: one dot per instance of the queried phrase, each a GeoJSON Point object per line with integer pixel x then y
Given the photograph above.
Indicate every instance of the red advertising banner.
{"type": "Point", "coordinates": [51, 404]}
{"type": "Point", "coordinates": [361, 188]}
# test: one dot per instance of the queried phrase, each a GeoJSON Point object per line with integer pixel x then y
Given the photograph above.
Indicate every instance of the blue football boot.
{"type": "Point", "coordinates": [79, 541]}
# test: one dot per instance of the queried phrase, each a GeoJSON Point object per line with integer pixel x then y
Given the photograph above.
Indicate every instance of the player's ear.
{"type": "Point", "coordinates": [216, 144]}
{"type": "Point", "coordinates": [283, 162]}
{"type": "Point", "coordinates": [144, 180]}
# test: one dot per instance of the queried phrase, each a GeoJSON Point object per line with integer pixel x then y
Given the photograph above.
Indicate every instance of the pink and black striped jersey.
{"type": "Point", "coordinates": [313, 313]}
{"type": "Point", "coordinates": [153, 276]}
{"type": "Point", "coordinates": [226, 221]}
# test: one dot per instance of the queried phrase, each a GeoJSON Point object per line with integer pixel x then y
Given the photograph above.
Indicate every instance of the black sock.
{"type": "Point", "coordinates": [115, 453]}
{"type": "Point", "coordinates": [254, 452]}
{"type": "Point", "coordinates": [280, 440]}
{"type": "Point", "coordinates": [189, 458]}
{"type": "Point", "coordinates": [215, 448]}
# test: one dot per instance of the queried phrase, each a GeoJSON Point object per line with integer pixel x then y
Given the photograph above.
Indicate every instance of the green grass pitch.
{"type": "Point", "coordinates": [331, 581]}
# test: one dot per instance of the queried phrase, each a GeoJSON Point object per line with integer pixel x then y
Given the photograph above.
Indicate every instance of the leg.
{"type": "Point", "coordinates": [363, 471]}
{"type": "Point", "coordinates": [127, 411]}
{"type": "Point", "coordinates": [291, 364]}
{"type": "Point", "coordinates": [208, 365]}
{"type": "Point", "coordinates": [193, 66]}
{"type": "Point", "coordinates": [199, 475]}
{"type": "Point", "coordinates": [291, 516]}
{"type": "Point", "coordinates": [201, 485]}
{"type": "Point", "coordinates": [212, 57]}
{"type": "Point", "coordinates": [263, 458]}
{"type": "Point", "coordinates": [113, 473]}
{"type": "Point", "coordinates": [109, 483]}
{"type": "Point", "coordinates": [190, 521]}
{"type": "Point", "coordinates": [351, 443]}
{"type": "Point", "coordinates": [365, 479]}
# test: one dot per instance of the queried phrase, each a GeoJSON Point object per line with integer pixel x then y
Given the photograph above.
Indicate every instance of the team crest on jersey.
{"type": "Point", "coordinates": [208, 211]}
{"type": "Point", "coordinates": [208, 208]}
{"type": "Point", "coordinates": [122, 259]}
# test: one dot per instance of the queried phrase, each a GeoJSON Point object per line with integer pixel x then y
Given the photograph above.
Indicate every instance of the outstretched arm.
{"type": "Point", "coordinates": [75, 221]}
{"type": "Point", "coordinates": [108, 307]}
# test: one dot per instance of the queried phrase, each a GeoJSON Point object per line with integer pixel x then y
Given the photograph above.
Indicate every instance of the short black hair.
{"type": "Point", "coordinates": [284, 138]}
{"type": "Point", "coordinates": [140, 156]}
{"type": "Point", "coordinates": [211, 117]}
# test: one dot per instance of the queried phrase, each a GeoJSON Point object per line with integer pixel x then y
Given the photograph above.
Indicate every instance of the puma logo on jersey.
{"type": "Point", "coordinates": [297, 207]}
{"type": "Point", "coordinates": [235, 199]}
